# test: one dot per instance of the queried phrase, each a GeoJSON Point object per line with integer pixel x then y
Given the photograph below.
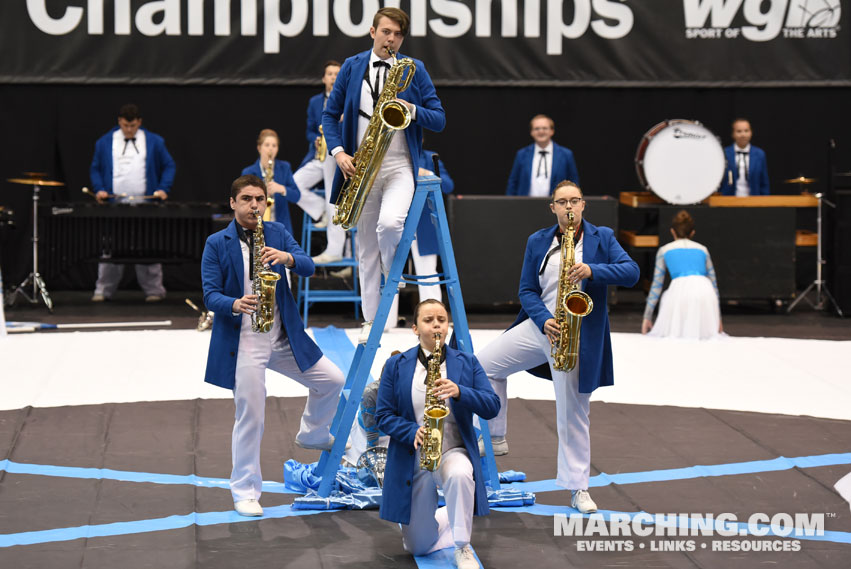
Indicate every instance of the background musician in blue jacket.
{"type": "Point", "coordinates": [356, 91]}
{"type": "Point", "coordinates": [747, 168]}
{"type": "Point", "coordinates": [238, 357]}
{"type": "Point", "coordinates": [410, 493]}
{"type": "Point", "coordinates": [131, 161]}
{"type": "Point", "coordinates": [599, 262]}
{"type": "Point", "coordinates": [541, 165]}
{"type": "Point", "coordinates": [282, 187]}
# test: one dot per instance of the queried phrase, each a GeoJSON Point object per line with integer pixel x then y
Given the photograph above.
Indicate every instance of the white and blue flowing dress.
{"type": "Point", "coordinates": [689, 309]}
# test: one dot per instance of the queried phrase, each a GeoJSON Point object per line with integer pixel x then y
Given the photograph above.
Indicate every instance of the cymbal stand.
{"type": "Point", "coordinates": [822, 293]}
{"type": "Point", "coordinates": [34, 278]}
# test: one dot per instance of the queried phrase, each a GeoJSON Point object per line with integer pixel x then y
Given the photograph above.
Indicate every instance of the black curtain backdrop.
{"type": "Point", "coordinates": [211, 132]}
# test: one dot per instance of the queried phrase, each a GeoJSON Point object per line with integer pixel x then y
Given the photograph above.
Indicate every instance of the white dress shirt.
{"type": "Point", "coordinates": [742, 186]}
{"type": "Point", "coordinates": [128, 164]}
{"type": "Point", "coordinates": [542, 168]}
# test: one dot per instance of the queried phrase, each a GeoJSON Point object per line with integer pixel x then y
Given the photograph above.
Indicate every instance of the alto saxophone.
{"type": "Point", "coordinates": [572, 305]}
{"type": "Point", "coordinates": [388, 116]}
{"type": "Point", "coordinates": [322, 147]}
{"type": "Point", "coordinates": [269, 174]}
{"type": "Point", "coordinates": [263, 281]}
{"type": "Point", "coordinates": [435, 412]}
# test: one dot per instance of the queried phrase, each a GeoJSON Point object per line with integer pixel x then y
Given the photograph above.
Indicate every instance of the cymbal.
{"type": "Point", "coordinates": [34, 182]}
{"type": "Point", "coordinates": [801, 180]}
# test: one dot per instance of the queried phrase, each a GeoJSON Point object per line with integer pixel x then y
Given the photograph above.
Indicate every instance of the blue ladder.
{"type": "Point", "coordinates": [307, 296]}
{"type": "Point", "coordinates": [428, 189]}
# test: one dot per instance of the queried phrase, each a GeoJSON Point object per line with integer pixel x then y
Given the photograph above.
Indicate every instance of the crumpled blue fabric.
{"type": "Point", "coordinates": [512, 476]}
{"type": "Point", "coordinates": [300, 477]}
{"type": "Point", "coordinates": [505, 497]}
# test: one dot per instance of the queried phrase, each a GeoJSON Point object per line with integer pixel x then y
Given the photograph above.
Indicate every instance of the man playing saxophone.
{"type": "Point", "coordinates": [356, 91]}
{"type": "Point", "coordinates": [239, 356]}
{"type": "Point", "coordinates": [599, 261]}
{"type": "Point", "coordinates": [410, 491]}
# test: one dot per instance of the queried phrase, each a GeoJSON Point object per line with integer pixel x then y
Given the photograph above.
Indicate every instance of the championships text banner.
{"type": "Point", "coordinates": [720, 43]}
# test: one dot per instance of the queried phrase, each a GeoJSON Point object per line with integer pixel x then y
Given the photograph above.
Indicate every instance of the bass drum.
{"type": "Point", "coordinates": [680, 161]}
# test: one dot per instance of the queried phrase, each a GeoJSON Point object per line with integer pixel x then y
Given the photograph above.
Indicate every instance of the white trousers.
{"type": "Point", "coordinates": [524, 347]}
{"type": "Point", "coordinates": [423, 265]}
{"type": "Point", "coordinates": [305, 178]}
{"type": "Point", "coordinates": [308, 176]}
{"type": "Point", "coordinates": [432, 528]}
{"type": "Point", "coordinates": [257, 352]}
{"type": "Point", "coordinates": [380, 229]}
{"type": "Point", "coordinates": [150, 278]}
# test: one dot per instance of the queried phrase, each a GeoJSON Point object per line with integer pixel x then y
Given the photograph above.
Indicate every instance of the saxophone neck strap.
{"type": "Point", "coordinates": [577, 235]}
{"type": "Point", "coordinates": [424, 359]}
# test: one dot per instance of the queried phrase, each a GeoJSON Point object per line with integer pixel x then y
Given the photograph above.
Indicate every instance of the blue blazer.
{"type": "Point", "coordinates": [345, 101]}
{"type": "Point", "coordinates": [757, 172]}
{"type": "Point", "coordinates": [426, 233]}
{"type": "Point", "coordinates": [395, 416]}
{"type": "Point", "coordinates": [222, 279]}
{"type": "Point", "coordinates": [564, 168]}
{"type": "Point", "coordinates": [314, 119]}
{"type": "Point", "coordinates": [610, 265]}
{"type": "Point", "coordinates": [283, 175]}
{"type": "Point", "coordinates": [159, 165]}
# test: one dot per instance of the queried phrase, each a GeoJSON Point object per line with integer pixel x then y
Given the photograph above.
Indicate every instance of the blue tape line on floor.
{"type": "Point", "coordinates": [698, 471]}
{"type": "Point", "coordinates": [128, 476]}
{"type": "Point", "coordinates": [741, 528]}
{"type": "Point", "coordinates": [145, 526]}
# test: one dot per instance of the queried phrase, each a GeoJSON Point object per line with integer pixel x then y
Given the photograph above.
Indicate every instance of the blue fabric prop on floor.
{"type": "Point", "coordinates": [356, 489]}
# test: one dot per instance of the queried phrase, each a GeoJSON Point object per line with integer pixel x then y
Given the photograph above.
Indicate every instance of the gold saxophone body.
{"type": "Point", "coordinates": [388, 116]}
{"type": "Point", "coordinates": [263, 281]}
{"type": "Point", "coordinates": [322, 148]}
{"type": "Point", "coordinates": [572, 305]}
{"type": "Point", "coordinates": [435, 412]}
{"type": "Point", "coordinates": [269, 173]}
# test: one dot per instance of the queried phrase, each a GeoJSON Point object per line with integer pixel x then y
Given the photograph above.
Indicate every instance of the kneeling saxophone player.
{"type": "Point", "coordinates": [239, 355]}
{"type": "Point", "coordinates": [599, 261]}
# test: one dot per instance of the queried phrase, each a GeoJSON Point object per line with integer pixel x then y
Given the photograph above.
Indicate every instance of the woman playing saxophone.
{"type": "Point", "coordinates": [409, 492]}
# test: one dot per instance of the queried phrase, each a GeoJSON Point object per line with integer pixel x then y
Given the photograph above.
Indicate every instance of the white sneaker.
{"type": "Point", "coordinates": [328, 445]}
{"type": "Point", "coordinates": [324, 258]}
{"type": "Point", "coordinates": [363, 337]}
{"type": "Point", "coordinates": [344, 273]}
{"type": "Point", "coordinates": [154, 298]}
{"type": "Point", "coordinates": [499, 444]}
{"type": "Point", "coordinates": [465, 558]}
{"type": "Point", "coordinates": [98, 297]}
{"type": "Point", "coordinates": [582, 501]}
{"type": "Point", "coordinates": [248, 508]}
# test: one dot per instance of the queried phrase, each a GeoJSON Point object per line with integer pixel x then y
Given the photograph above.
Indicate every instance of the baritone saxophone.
{"type": "Point", "coordinates": [263, 281]}
{"type": "Point", "coordinates": [572, 305]}
{"type": "Point", "coordinates": [434, 414]}
{"type": "Point", "coordinates": [388, 116]}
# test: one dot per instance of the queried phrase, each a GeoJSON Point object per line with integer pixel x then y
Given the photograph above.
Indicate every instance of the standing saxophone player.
{"type": "Point", "coordinates": [356, 91]}
{"type": "Point", "coordinates": [410, 493]}
{"type": "Point", "coordinates": [599, 261]}
{"type": "Point", "coordinates": [238, 356]}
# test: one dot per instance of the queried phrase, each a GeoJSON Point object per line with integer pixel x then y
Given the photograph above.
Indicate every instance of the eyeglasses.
{"type": "Point", "coordinates": [572, 201]}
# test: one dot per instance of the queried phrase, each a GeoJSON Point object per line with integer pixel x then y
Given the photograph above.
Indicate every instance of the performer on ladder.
{"type": "Point", "coordinates": [410, 492]}
{"type": "Point", "coordinates": [357, 89]}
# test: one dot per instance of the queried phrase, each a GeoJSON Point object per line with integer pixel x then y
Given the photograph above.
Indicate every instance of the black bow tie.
{"type": "Point", "coordinates": [741, 151]}
{"type": "Point", "coordinates": [380, 63]}
{"type": "Point", "coordinates": [126, 142]}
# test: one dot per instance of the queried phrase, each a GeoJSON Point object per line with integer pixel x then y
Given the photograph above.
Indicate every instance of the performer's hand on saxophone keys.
{"type": "Point", "coordinates": [274, 257]}
{"type": "Point", "coordinates": [245, 305]}
{"type": "Point", "coordinates": [274, 187]}
{"type": "Point", "coordinates": [419, 437]}
{"type": "Point", "coordinates": [444, 388]}
{"type": "Point", "coordinates": [552, 329]}
{"type": "Point", "coordinates": [578, 272]}
{"type": "Point", "coordinates": [346, 163]}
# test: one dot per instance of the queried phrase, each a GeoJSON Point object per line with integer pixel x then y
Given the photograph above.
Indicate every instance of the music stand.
{"type": "Point", "coordinates": [820, 286]}
{"type": "Point", "coordinates": [38, 286]}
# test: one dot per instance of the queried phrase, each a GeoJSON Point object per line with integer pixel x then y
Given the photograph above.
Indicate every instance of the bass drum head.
{"type": "Point", "coordinates": [680, 161]}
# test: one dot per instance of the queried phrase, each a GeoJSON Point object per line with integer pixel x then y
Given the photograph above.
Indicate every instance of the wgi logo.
{"type": "Point", "coordinates": [793, 18]}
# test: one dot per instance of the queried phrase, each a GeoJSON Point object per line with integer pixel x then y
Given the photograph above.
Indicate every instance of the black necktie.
{"type": "Point", "coordinates": [133, 140]}
{"type": "Point", "coordinates": [379, 84]}
{"type": "Point", "coordinates": [424, 359]}
{"type": "Point", "coordinates": [248, 237]}
{"type": "Point", "coordinates": [743, 156]}
{"type": "Point", "coordinates": [542, 161]}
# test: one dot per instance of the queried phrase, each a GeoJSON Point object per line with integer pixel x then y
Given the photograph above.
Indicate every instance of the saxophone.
{"type": "Point", "coordinates": [269, 173]}
{"type": "Point", "coordinates": [435, 412]}
{"type": "Point", "coordinates": [388, 116]}
{"type": "Point", "coordinates": [322, 149]}
{"type": "Point", "coordinates": [263, 282]}
{"type": "Point", "coordinates": [572, 305]}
